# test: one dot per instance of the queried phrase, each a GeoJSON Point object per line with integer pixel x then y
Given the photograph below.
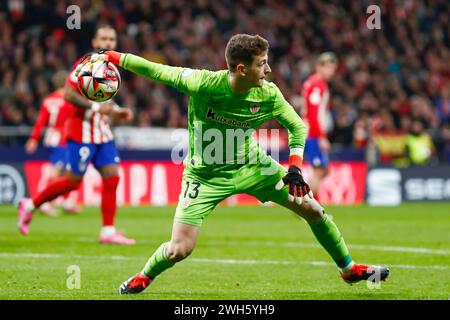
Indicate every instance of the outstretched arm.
{"type": "Point", "coordinates": [183, 79]}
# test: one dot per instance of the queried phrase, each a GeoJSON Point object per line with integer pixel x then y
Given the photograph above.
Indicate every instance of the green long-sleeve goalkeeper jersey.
{"type": "Point", "coordinates": [220, 123]}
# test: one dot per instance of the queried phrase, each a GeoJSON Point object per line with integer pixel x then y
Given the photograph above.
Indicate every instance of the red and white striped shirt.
{"type": "Point", "coordinates": [84, 125]}
{"type": "Point", "coordinates": [316, 96]}
{"type": "Point", "coordinates": [52, 115]}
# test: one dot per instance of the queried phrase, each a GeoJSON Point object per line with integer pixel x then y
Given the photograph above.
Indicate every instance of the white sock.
{"type": "Point", "coordinates": [107, 231]}
{"type": "Point", "coordinates": [346, 269]}
{"type": "Point", "coordinates": [29, 205]}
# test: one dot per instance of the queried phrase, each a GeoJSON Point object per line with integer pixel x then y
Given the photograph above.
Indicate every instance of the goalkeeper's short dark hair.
{"type": "Point", "coordinates": [241, 48]}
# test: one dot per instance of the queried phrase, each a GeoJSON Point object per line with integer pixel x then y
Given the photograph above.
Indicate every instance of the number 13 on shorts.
{"type": "Point", "coordinates": [190, 191]}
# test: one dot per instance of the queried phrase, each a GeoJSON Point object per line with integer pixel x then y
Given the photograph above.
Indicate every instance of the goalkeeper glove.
{"type": "Point", "coordinates": [103, 55]}
{"type": "Point", "coordinates": [298, 188]}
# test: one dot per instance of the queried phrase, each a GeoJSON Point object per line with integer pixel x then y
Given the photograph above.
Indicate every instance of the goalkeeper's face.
{"type": "Point", "coordinates": [257, 71]}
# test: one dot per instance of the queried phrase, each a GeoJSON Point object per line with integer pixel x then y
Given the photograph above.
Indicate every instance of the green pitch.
{"type": "Point", "coordinates": [242, 253]}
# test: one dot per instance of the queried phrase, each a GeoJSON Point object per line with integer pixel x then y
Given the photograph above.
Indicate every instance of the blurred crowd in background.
{"type": "Point", "coordinates": [387, 79]}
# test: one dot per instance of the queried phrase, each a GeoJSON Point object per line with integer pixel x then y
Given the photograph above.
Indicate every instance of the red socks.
{"type": "Point", "coordinates": [66, 195]}
{"type": "Point", "coordinates": [63, 185]}
{"type": "Point", "coordinates": [54, 189]}
{"type": "Point", "coordinates": [109, 204]}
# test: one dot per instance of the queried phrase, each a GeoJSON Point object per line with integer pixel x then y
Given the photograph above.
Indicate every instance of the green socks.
{"type": "Point", "coordinates": [331, 239]}
{"type": "Point", "coordinates": [157, 263]}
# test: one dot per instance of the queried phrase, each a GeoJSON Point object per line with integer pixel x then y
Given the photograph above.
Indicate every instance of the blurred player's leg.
{"type": "Point", "coordinates": [108, 232]}
{"type": "Point", "coordinates": [319, 161]}
{"type": "Point", "coordinates": [107, 160]}
{"type": "Point", "coordinates": [69, 204]}
{"type": "Point", "coordinates": [319, 173]}
{"type": "Point", "coordinates": [78, 157]}
{"type": "Point", "coordinates": [57, 187]}
{"type": "Point", "coordinates": [58, 162]}
{"type": "Point", "coordinates": [70, 198]}
{"type": "Point", "coordinates": [108, 203]}
{"type": "Point", "coordinates": [48, 210]}
{"type": "Point", "coordinates": [59, 157]}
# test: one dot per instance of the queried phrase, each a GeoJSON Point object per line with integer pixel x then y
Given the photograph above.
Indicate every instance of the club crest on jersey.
{"type": "Point", "coordinates": [254, 108]}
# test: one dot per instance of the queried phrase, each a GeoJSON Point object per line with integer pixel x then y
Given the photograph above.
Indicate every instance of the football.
{"type": "Point", "coordinates": [99, 80]}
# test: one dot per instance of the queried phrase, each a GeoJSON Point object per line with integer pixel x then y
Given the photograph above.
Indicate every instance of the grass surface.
{"type": "Point", "coordinates": [242, 253]}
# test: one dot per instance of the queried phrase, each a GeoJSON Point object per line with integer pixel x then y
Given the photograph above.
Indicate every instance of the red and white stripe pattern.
{"type": "Point", "coordinates": [96, 128]}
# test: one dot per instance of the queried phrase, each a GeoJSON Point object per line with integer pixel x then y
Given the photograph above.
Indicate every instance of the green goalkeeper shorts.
{"type": "Point", "coordinates": [201, 192]}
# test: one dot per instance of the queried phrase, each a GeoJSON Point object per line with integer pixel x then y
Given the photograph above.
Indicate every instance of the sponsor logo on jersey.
{"type": "Point", "coordinates": [212, 115]}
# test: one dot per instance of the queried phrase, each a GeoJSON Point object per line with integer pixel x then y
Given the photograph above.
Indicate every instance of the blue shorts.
{"type": "Point", "coordinates": [81, 154]}
{"type": "Point", "coordinates": [314, 155]}
{"type": "Point", "coordinates": [58, 156]}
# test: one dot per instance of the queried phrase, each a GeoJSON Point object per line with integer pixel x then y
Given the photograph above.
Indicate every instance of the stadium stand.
{"type": "Point", "coordinates": [386, 79]}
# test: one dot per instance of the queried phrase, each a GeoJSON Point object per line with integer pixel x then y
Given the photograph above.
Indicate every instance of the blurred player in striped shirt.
{"type": "Point", "coordinates": [316, 98]}
{"type": "Point", "coordinates": [89, 140]}
{"type": "Point", "coordinates": [53, 113]}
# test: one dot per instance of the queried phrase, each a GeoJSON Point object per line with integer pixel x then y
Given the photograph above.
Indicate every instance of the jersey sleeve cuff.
{"type": "Point", "coordinates": [114, 57]}
{"type": "Point", "coordinates": [296, 157]}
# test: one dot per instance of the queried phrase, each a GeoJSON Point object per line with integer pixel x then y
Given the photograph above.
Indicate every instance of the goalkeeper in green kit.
{"type": "Point", "coordinates": [224, 107]}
